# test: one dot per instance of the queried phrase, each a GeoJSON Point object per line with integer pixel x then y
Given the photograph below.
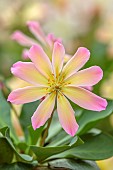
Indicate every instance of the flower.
{"type": "Point", "coordinates": [40, 38]}
{"type": "Point", "coordinates": [57, 83]}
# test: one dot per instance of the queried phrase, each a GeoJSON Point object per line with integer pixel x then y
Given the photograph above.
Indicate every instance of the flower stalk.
{"type": "Point", "coordinates": [42, 141]}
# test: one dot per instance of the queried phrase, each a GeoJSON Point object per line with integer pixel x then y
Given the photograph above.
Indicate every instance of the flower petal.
{"type": "Point", "coordinates": [23, 39]}
{"type": "Point", "coordinates": [28, 72]}
{"type": "Point", "coordinates": [67, 57]}
{"type": "Point", "coordinates": [76, 62]}
{"type": "Point", "coordinates": [85, 98]}
{"type": "Point", "coordinates": [90, 88]}
{"type": "Point", "coordinates": [51, 39]}
{"type": "Point", "coordinates": [35, 28]}
{"type": "Point", "coordinates": [86, 77]}
{"type": "Point", "coordinates": [26, 95]}
{"type": "Point", "coordinates": [41, 60]}
{"type": "Point", "coordinates": [44, 111]}
{"type": "Point", "coordinates": [58, 58]}
{"type": "Point", "coordinates": [66, 115]}
{"type": "Point", "coordinates": [25, 54]}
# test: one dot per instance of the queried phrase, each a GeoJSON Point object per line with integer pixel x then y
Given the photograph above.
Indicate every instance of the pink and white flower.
{"type": "Point", "coordinates": [57, 83]}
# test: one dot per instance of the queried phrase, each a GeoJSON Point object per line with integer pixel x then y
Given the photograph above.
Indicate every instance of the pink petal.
{"type": "Point", "coordinates": [51, 39]}
{"type": "Point", "coordinates": [23, 39]}
{"type": "Point", "coordinates": [76, 62]}
{"type": "Point", "coordinates": [26, 95]}
{"type": "Point", "coordinates": [90, 88]}
{"type": "Point", "coordinates": [28, 72]}
{"type": "Point", "coordinates": [66, 115]}
{"type": "Point", "coordinates": [58, 58]}
{"type": "Point", "coordinates": [44, 111]}
{"type": "Point", "coordinates": [25, 54]}
{"type": "Point", "coordinates": [85, 98]}
{"type": "Point", "coordinates": [41, 60]}
{"type": "Point", "coordinates": [35, 28]}
{"type": "Point", "coordinates": [86, 77]}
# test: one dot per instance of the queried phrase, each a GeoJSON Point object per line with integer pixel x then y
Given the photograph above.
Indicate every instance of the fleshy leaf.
{"type": "Point", "coordinates": [43, 153]}
{"type": "Point", "coordinates": [5, 115]}
{"type": "Point", "coordinates": [95, 147]}
{"type": "Point", "coordinates": [7, 145]}
{"type": "Point", "coordinates": [16, 166]}
{"type": "Point", "coordinates": [25, 117]}
{"type": "Point", "coordinates": [88, 119]}
{"type": "Point", "coordinates": [74, 164]}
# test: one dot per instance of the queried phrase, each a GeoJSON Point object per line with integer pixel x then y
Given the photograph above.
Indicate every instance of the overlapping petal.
{"type": "Point", "coordinates": [40, 60]}
{"type": "Point", "coordinates": [35, 28]}
{"type": "Point", "coordinates": [51, 39]}
{"type": "Point", "coordinates": [66, 115]}
{"type": "Point", "coordinates": [28, 72]}
{"type": "Point", "coordinates": [44, 111]}
{"type": "Point", "coordinates": [67, 57]}
{"type": "Point", "coordinates": [26, 95]}
{"type": "Point", "coordinates": [76, 62]}
{"type": "Point", "coordinates": [85, 98]}
{"type": "Point", "coordinates": [86, 77]}
{"type": "Point", "coordinates": [23, 39]}
{"type": "Point", "coordinates": [58, 58]}
{"type": "Point", "coordinates": [25, 54]}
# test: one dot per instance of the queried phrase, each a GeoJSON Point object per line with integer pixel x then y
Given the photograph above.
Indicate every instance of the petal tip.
{"type": "Point", "coordinates": [15, 66]}
{"type": "Point", "coordinates": [99, 71]}
{"type": "Point", "coordinates": [32, 24]}
{"type": "Point", "coordinates": [16, 35]}
{"type": "Point", "coordinates": [73, 131]}
{"type": "Point", "coordinates": [57, 43]}
{"type": "Point", "coordinates": [34, 47]}
{"type": "Point", "coordinates": [34, 124]}
{"type": "Point", "coordinates": [10, 98]}
{"type": "Point", "coordinates": [105, 103]}
{"type": "Point", "coordinates": [84, 51]}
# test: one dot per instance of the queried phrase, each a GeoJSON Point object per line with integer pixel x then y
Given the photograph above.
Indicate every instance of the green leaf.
{"type": "Point", "coordinates": [5, 115]}
{"type": "Point", "coordinates": [16, 166]}
{"type": "Point", "coordinates": [60, 139]}
{"type": "Point", "coordinates": [25, 117]}
{"type": "Point", "coordinates": [34, 134]}
{"type": "Point", "coordinates": [88, 119]}
{"type": "Point", "coordinates": [55, 127]}
{"type": "Point", "coordinates": [94, 148]}
{"type": "Point", "coordinates": [9, 146]}
{"type": "Point", "coordinates": [73, 164]}
{"type": "Point", "coordinates": [43, 153]}
{"type": "Point", "coordinates": [6, 153]}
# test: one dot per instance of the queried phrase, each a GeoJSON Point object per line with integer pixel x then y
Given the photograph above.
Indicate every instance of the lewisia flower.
{"type": "Point", "coordinates": [57, 83]}
{"type": "Point", "coordinates": [40, 38]}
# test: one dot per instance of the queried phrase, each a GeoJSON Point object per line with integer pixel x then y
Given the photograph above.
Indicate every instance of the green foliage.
{"type": "Point", "coordinates": [74, 164]}
{"type": "Point", "coordinates": [67, 152]}
{"type": "Point", "coordinates": [25, 118]}
{"type": "Point", "coordinates": [95, 147]}
{"type": "Point", "coordinates": [60, 150]}
{"type": "Point", "coordinates": [43, 153]}
{"type": "Point", "coordinates": [7, 146]}
{"type": "Point", "coordinates": [6, 154]}
{"type": "Point", "coordinates": [89, 119]}
{"type": "Point", "coordinates": [16, 166]}
{"type": "Point", "coordinates": [5, 115]}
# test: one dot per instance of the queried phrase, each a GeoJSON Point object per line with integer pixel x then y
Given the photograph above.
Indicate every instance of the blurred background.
{"type": "Point", "coordinates": [78, 23]}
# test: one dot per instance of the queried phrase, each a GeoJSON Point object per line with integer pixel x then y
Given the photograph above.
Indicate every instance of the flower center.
{"type": "Point", "coordinates": [55, 84]}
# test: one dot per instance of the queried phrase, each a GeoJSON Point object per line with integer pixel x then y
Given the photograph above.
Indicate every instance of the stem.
{"type": "Point", "coordinates": [46, 131]}
{"type": "Point", "coordinates": [15, 112]}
